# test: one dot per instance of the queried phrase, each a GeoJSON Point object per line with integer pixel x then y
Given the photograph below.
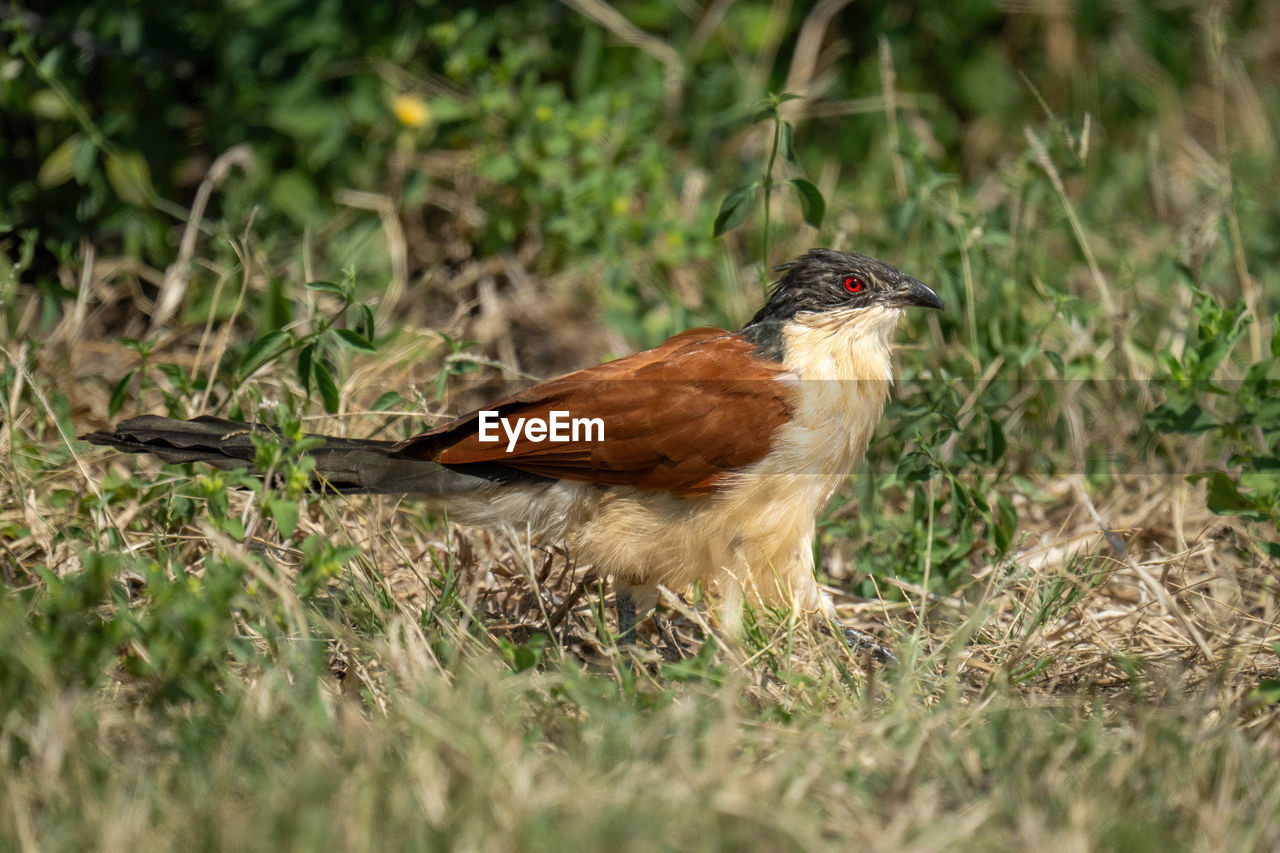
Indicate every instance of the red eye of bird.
{"type": "Point", "coordinates": [853, 284]}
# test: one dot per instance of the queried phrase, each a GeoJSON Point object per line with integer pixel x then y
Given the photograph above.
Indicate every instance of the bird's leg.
{"type": "Point", "coordinates": [626, 608]}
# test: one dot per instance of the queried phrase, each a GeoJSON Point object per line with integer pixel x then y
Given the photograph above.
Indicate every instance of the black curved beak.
{"type": "Point", "coordinates": [915, 293]}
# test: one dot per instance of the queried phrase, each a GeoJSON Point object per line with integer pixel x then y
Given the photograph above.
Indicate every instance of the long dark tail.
{"type": "Point", "coordinates": [351, 465]}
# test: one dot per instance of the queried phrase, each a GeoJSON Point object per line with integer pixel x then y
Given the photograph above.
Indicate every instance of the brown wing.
{"type": "Point", "coordinates": [677, 418]}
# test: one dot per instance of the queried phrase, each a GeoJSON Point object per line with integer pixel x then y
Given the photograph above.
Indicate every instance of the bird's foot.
{"type": "Point", "coordinates": [860, 641]}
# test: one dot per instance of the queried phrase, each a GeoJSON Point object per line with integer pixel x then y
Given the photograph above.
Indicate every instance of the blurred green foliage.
{"type": "Point", "coordinates": [110, 116]}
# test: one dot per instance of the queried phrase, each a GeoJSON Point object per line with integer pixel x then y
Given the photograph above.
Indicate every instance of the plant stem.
{"type": "Point", "coordinates": [768, 191]}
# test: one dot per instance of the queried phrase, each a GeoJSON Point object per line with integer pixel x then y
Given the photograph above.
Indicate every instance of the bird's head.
{"type": "Point", "coordinates": [824, 281]}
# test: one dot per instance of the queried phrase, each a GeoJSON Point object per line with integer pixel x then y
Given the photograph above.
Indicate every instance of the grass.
{"type": "Point", "coordinates": [1088, 626]}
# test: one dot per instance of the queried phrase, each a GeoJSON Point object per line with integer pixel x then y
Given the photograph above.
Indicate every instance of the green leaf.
{"type": "Point", "coordinates": [49, 63]}
{"type": "Point", "coordinates": [264, 349]}
{"type": "Point", "coordinates": [387, 401]}
{"type": "Point", "coordinates": [1259, 474]}
{"type": "Point", "coordinates": [523, 658]}
{"type": "Point", "coordinates": [812, 206]}
{"type": "Point", "coordinates": [180, 378]}
{"type": "Point", "coordinates": [996, 443]}
{"type": "Point", "coordinates": [916, 467]}
{"type": "Point", "coordinates": [786, 142]}
{"type": "Point", "coordinates": [326, 287]}
{"type": "Point", "coordinates": [367, 324]}
{"type": "Point", "coordinates": [1224, 497]}
{"type": "Point", "coordinates": [47, 103]}
{"type": "Point", "coordinates": [119, 392]}
{"type": "Point", "coordinates": [355, 340]}
{"type": "Point", "coordinates": [130, 177]}
{"type": "Point", "coordinates": [59, 166]}
{"type": "Point", "coordinates": [733, 210]}
{"type": "Point", "coordinates": [234, 527]}
{"type": "Point", "coordinates": [1268, 691]}
{"type": "Point", "coordinates": [1218, 330]}
{"type": "Point", "coordinates": [445, 108]}
{"type": "Point", "coordinates": [1193, 419]}
{"type": "Point", "coordinates": [1006, 523]}
{"type": "Point", "coordinates": [305, 358]}
{"type": "Point", "coordinates": [86, 157]}
{"type": "Point", "coordinates": [327, 387]}
{"type": "Point", "coordinates": [500, 168]}
{"type": "Point", "coordinates": [285, 514]}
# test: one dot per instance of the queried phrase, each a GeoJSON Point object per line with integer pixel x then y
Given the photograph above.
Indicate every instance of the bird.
{"type": "Point", "coordinates": [707, 459]}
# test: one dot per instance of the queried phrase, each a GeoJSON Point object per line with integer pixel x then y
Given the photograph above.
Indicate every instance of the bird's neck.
{"type": "Point", "coordinates": [767, 335]}
{"type": "Point", "coordinates": [849, 345]}
{"type": "Point", "coordinates": [842, 364]}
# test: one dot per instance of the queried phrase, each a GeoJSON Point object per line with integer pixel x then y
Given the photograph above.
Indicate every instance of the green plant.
{"type": "Point", "coordinates": [734, 208]}
{"type": "Point", "coordinates": [317, 347]}
{"type": "Point", "coordinates": [1242, 414]}
{"type": "Point", "coordinates": [928, 507]}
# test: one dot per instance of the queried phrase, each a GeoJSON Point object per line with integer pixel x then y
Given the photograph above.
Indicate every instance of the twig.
{"type": "Point", "coordinates": [178, 274]}
{"type": "Point", "coordinates": [804, 62]}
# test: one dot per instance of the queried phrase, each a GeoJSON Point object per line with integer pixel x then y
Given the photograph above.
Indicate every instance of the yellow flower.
{"type": "Point", "coordinates": [411, 110]}
{"type": "Point", "coordinates": [592, 129]}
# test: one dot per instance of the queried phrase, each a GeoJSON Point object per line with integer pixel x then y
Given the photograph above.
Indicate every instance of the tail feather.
{"type": "Point", "coordinates": [350, 465]}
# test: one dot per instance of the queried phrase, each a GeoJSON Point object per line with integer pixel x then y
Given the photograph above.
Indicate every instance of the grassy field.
{"type": "Point", "coordinates": [362, 222]}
